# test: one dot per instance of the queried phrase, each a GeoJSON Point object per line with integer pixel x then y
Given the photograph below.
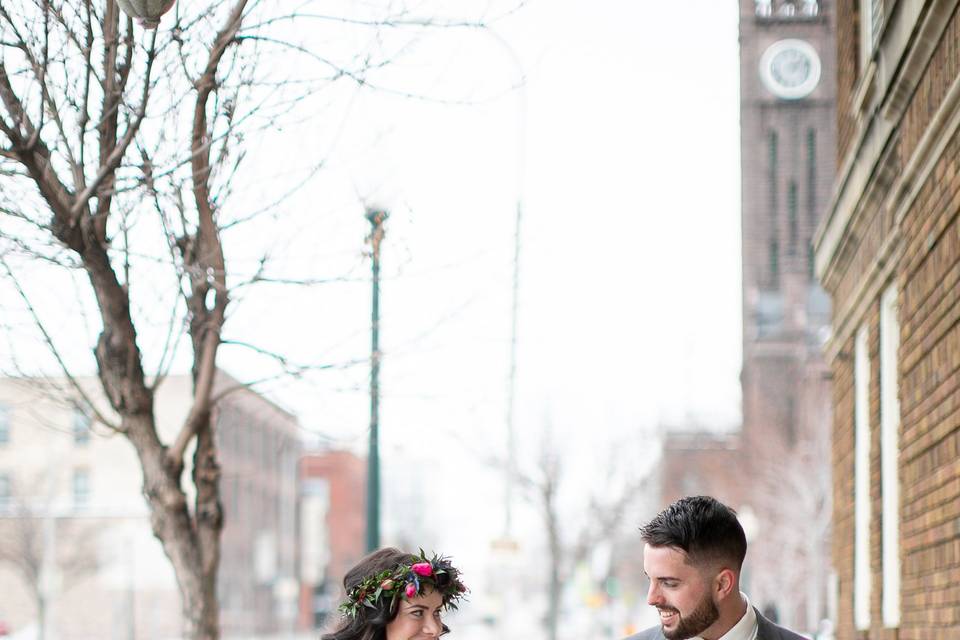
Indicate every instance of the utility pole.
{"type": "Point", "coordinates": [508, 542]}
{"type": "Point", "coordinates": [512, 382]}
{"type": "Point", "coordinates": [376, 218]}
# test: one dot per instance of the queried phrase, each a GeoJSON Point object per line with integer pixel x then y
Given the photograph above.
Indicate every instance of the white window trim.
{"type": "Point", "coordinates": [871, 26]}
{"type": "Point", "coordinates": [866, 28]}
{"type": "Point", "coordinates": [80, 489]}
{"type": "Point", "coordinates": [889, 456]}
{"type": "Point", "coordinates": [5, 424]}
{"type": "Point", "coordinates": [861, 537]}
{"type": "Point", "coordinates": [7, 492]}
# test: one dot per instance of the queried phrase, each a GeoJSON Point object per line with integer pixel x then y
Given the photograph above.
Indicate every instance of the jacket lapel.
{"type": "Point", "coordinates": [765, 628]}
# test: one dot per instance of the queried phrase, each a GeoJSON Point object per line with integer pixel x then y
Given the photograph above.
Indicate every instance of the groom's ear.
{"type": "Point", "coordinates": [725, 583]}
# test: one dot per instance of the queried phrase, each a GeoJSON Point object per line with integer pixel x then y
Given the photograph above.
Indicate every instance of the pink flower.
{"type": "Point", "coordinates": [411, 590]}
{"type": "Point", "coordinates": [422, 569]}
{"type": "Point", "coordinates": [386, 585]}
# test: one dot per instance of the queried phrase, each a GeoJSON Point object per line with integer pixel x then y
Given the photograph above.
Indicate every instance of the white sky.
{"type": "Point", "coordinates": [630, 282]}
{"type": "Point", "coordinates": [630, 270]}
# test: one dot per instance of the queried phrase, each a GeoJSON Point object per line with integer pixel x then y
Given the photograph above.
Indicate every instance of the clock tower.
{"type": "Point", "coordinates": [787, 118]}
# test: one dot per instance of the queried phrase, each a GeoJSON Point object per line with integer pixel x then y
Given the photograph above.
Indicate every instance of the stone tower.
{"type": "Point", "coordinates": [787, 116]}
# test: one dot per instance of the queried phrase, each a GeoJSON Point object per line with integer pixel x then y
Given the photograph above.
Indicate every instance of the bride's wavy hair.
{"type": "Point", "coordinates": [370, 622]}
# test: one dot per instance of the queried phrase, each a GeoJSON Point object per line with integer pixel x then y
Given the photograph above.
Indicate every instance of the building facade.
{"type": "Point", "coordinates": [76, 546]}
{"type": "Point", "coordinates": [702, 463]}
{"type": "Point", "coordinates": [260, 447]}
{"type": "Point", "coordinates": [332, 525]}
{"type": "Point", "coordinates": [889, 255]}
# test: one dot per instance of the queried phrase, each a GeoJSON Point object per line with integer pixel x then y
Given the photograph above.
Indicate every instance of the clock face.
{"type": "Point", "coordinates": [790, 69]}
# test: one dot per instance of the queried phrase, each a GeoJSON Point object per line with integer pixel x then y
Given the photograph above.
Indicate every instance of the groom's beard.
{"type": "Point", "coordinates": [695, 622]}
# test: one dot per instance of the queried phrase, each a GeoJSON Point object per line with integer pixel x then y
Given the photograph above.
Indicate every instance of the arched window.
{"type": "Point", "coordinates": [787, 9]}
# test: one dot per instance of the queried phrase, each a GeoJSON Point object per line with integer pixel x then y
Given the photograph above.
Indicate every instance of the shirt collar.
{"type": "Point", "coordinates": [746, 627]}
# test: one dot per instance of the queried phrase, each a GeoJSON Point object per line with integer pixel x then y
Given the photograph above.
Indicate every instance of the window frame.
{"type": "Point", "coordinates": [81, 426]}
{"type": "Point", "coordinates": [889, 457]}
{"type": "Point", "coordinates": [871, 29]}
{"type": "Point", "coordinates": [6, 490]}
{"type": "Point", "coordinates": [80, 499]}
{"type": "Point", "coordinates": [862, 507]}
{"type": "Point", "coordinates": [5, 420]}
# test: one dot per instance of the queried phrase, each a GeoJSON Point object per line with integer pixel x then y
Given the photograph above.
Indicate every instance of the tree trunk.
{"type": "Point", "coordinates": [553, 597]}
{"type": "Point", "coordinates": [556, 559]}
{"type": "Point", "coordinates": [191, 543]}
{"type": "Point", "coordinates": [41, 615]}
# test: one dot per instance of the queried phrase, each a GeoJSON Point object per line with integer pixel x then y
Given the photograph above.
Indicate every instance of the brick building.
{"type": "Point", "coordinates": [332, 523]}
{"type": "Point", "coordinates": [698, 463]}
{"type": "Point", "coordinates": [71, 505]}
{"type": "Point", "coordinates": [787, 106]}
{"type": "Point", "coordinates": [888, 252]}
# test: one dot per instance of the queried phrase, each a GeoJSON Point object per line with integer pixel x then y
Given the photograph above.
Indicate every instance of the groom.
{"type": "Point", "coordinates": [693, 555]}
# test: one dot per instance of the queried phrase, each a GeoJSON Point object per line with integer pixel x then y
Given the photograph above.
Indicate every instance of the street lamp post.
{"type": "Point", "coordinates": [376, 218]}
{"type": "Point", "coordinates": [507, 541]}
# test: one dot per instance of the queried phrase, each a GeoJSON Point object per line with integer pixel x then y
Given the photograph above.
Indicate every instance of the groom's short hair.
{"type": "Point", "coordinates": [702, 527]}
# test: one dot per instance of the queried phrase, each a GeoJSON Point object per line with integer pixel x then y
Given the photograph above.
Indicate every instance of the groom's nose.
{"type": "Point", "coordinates": [654, 597]}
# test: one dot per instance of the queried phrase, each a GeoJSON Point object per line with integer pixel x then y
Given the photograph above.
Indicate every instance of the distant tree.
{"type": "Point", "coordinates": [792, 494]}
{"type": "Point", "coordinates": [595, 519]}
{"type": "Point", "coordinates": [29, 528]}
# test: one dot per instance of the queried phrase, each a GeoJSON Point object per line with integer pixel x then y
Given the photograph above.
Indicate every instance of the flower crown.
{"type": "Point", "coordinates": [408, 580]}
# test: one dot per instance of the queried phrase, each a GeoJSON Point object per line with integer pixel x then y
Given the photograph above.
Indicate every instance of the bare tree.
{"type": "Point", "coordinates": [119, 153]}
{"type": "Point", "coordinates": [792, 495]}
{"type": "Point", "coordinates": [28, 531]}
{"type": "Point", "coordinates": [599, 515]}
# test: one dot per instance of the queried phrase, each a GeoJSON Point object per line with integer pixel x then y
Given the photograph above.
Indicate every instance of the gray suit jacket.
{"type": "Point", "coordinates": [766, 630]}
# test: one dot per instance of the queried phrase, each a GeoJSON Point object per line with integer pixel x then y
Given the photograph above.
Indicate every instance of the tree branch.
{"type": "Point", "coordinates": [112, 152]}
{"type": "Point", "coordinates": [35, 157]}
{"type": "Point", "coordinates": [56, 352]}
{"type": "Point", "coordinates": [206, 324]}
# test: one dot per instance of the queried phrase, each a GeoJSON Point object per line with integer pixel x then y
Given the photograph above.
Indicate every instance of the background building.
{"type": "Point", "coordinates": [702, 463]}
{"type": "Point", "coordinates": [787, 89]}
{"type": "Point", "coordinates": [776, 470]}
{"type": "Point", "coordinates": [332, 525]}
{"type": "Point", "coordinates": [889, 254]}
{"type": "Point", "coordinates": [260, 447]}
{"type": "Point", "coordinates": [76, 547]}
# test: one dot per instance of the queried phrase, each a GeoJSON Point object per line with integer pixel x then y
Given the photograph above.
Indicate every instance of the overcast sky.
{"type": "Point", "coordinates": [622, 147]}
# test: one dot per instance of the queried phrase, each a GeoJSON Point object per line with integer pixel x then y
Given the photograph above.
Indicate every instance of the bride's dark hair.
{"type": "Point", "coordinates": [370, 623]}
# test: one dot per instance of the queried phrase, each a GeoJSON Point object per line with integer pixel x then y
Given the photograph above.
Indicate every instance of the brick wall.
{"type": "Point", "coordinates": [848, 61]}
{"type": "Point", "coordinates": [927, 273]}
{"type": "Point", "coordinates": [943, 68]}
{"type": "Point", "coordinates": [843, 485]}
{"type": "Point", "coordinates": [705, 464]}
{"type": "Point", "coordinates": [930, 407]}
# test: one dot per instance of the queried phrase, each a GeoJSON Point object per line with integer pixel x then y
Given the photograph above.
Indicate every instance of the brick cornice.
{"type": "Point", "coordinates": [879, 118]}
{"type": "Point", "coordinates": [928, 152]}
